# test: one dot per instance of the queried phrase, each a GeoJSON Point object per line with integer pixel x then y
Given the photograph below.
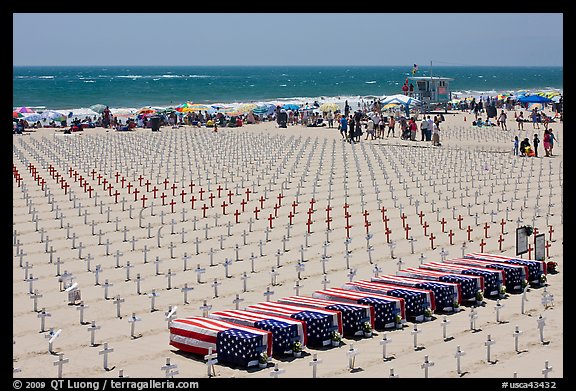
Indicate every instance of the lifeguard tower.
{"type": "Point", "coordinates": [432, 91]}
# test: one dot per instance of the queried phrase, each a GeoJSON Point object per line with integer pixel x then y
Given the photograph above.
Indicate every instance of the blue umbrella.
{"type": "Point", "coordinates": [534, 99]}
{"type": "Point", "coordinates": [290, 106]}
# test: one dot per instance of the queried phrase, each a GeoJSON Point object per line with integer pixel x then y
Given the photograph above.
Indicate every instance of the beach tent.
{"type": "Point", "coordinates": [404, 100]}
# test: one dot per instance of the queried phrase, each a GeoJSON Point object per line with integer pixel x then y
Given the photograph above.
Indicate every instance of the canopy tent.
{"type": "Point", "coordinates": [405, 100]}
{"type": "Point", "coordinates": [534, 99]}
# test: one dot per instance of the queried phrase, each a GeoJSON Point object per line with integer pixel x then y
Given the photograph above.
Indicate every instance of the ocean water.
{"type": "Point", "coordinates": [132, 87]}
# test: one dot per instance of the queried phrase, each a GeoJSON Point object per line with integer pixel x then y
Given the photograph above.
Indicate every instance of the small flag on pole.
{"type": "Point", "coordinates": [414, 69]}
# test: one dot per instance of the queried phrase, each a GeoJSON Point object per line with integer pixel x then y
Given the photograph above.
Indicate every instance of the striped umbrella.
{"type": "Point", "coordinates": [191, 107]}
{"type": "Point", "coordinates": [25, 110]}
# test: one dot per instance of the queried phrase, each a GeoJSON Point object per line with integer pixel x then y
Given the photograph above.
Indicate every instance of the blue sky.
{"type": "Point", "coordinates": [507, 39]}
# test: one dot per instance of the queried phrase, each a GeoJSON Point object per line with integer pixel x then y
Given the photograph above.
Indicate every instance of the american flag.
{"type": "Point", "coordinates": [320, 323]}
{"type": "Point", "coordinates": [385, 307]}
{"type": "Point", "coordinates": [515, 274]}
{"type": "Point", "coordinates": [233, 343]}
{"type": "Point", "coordinates": [493, 278]}
{"type": "Point", "coordinates": [353, 315]}
{"type": "Point", "coordinates": [467, 285]}
{"type": "Point", "coordinates": [535, 268]}
{"type": "Point", "coordinates": [285, 331]}
{"type": "Point", "coordinates": [445, 293]}
{"type": "Point", "coordinates": [417, 300]}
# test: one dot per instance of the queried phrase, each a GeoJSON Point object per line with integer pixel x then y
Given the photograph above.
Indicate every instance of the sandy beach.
{"type": "Point", "coordinates": [59, 223]}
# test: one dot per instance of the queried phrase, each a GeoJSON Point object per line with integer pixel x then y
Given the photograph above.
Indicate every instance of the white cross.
{"type": "Point", "coordinates": [132, 320]}
{"type": "Point", "coordinates": [237, 301]}
{"type": "Point", "coordinates": [444, 323]}
{"type": "Point", "coordinates": [186, 289]}
{"type": "Point", "coordinates": [215, 285]}
{"type": "Point", "coordinates": [42, 315]}
{"type": "Point", "coordinates": [35, 297]}
{"type": "Point", "coordinates": [199, 272]}
{"type": "Point", "coordinates": [300, 268]}
{"type": "Point", "coordinates": [168, 369]}
{"type": "Point", "coordinates": [351, 274]}
{"type": "Point", "coordinates": [51, 336]}
{"type": "Point", "coordinates": [541, 323]}
{"type": "Point", "coordinates": [325, 281]}
{"type": "Point", "coordinates": [169, 277]}
{"type": "Point", "coordinates": [498, 307]}
{"type": "Point", "coordinates": [489, 342]}
{"type": "Point", "coordinates": [473, 315]}
{"type": "Point", "coordinates": [118, 301]}
{"type": "Point", "coordinates": [314, 363]}
{"type": "Point", "coordinates": [60, 362]}
{"type": "Point", "coordinates": [351, 354]}
{"type": "Point", "coordinates": [105, 352]}
{"type": "Point", "coordinates": [376, 270]}
{"type": "Point", "coordinates": [459, 353]}
{"type": "Point", "coordinates": [212, 359]}
{"type": "Point", "coordinates": [92, 329]}
{"type": "Point", "coordinates": [384, 341]}
{"type": "Point", "coordinates": [427, 364]}
{"type": "Point", "coordinates": [227, 263]}
{"type": "Point", "coordinates": [205, 308]}
{"type": "Point", "coordinates": [547, 369]}
{"type": "Point", "coordinates": [516, 334]}
{"type": "Point", "coordinates": [152, 295]}
{"type": "Point", "coordinates": [106, 285]}
{"type": "Point", "coordinates": [170, 314]}
{"type": "Point", "coordinates": [268, 293]}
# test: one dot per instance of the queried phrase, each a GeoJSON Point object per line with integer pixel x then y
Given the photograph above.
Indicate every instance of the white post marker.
{"type": "Point", "coordinates": [185, 290]}
{"type": "Point", "coordinates": [42, 315]}
{"type": "Point", "coordinates": [325, 281]}
{"type": "Point", "coordinates": [169, 277]}
{"type": "Point", "coordinates": [35, 297]}
{"type": "Point", "coordinates": [351, 274]}
{"type": "Point", "coordinates": [516, 334]}
{"type": "Point", "coordinates": [268, 293]}
{"type": "Point", "coordinates": [132, 320]}
{"type": "Point", "coordinates": [276, 372]}
{"type": "Point", "coordinates": [60, 362]}
{"type": "Point", "coordinates": [170, 314]}
{"type": "Point", "coordinates": [384, 341]}
{"type": "Point", "coordinates": [444, 323]}
{"type": "Point", "coordinates": [489, 342]}
{"type": "Point", "coordinates": [105, 353]}
{"type": "Point", "coordinates": [118, 301]}
{"type": "Point", "coordinates": [199, 271]}
{"type": "Point", "coordinates": [314, 363]}
{"type": "Point", "coordinates": [211, 360]}
{"type": "Point", "coordinates": [51, 336]}
{"type": "Point", "coordinates": [152, 295]}
{"type": "Point", "coordinates": [205, 308]}
{"type": "Point", "coordinates": [215, 285]}
{"type": "Point", "coordinates": [351, 354]}
{"type": "Point", "coordinates": [427, 364]}
{"type": "Point", "coordinates": [547, 369]}
{"type": "Point", "coordinates": [415, 333]}
{"type": "Point", "coordinates": [237, 301]}
{"type": "Point", "coordinates": [523, 299]}
{"type": "Point", "coordinates": [473, 316]}
{"type": "Point", "coordinates": [459, 353]}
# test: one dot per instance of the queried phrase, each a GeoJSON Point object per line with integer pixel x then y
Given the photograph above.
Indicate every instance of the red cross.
{"type": "Point", "coordinates": [421, 214]}
{"type": "Point", "coordinates": [328, 210]}
{"type": "Point", "coordinates": [58, 176]}
{"type": "Point", "coordinates": [243, 203]}
{"type": "Point", "coordinates": [191, 185]}
{"type": "Point", "coordinates": [163, 196]}
{"type": "Point", "coordinates": [276, 207]}
{"type": "Point", "coordinates": [309, 223]}
{"type": "Point", "coordinates": [110, 187]}
{"type": "Point", "coordinates": [140, 179]}
{"type": "Point", "coordinates": [365, 214]}
{"type": "Point", "coordinates": [547, 246]}
{"type": "Point", "coordinates": [75, 176]}
{"type": "Point", "coordinates": [236, 214]}
{"type": "Point", "coordinates": [148, 183]}
{"type": "Point", "coordinates": [117, 175]}
{"type": "Point", "coordinates": [280, 196]}
{"type": "Point", "coordinates": [270, 219]}
{"type": "Point", "coordinates": [385, 220]}
{"type": "Point", "coordinates": [261, 202]}
{"type": "Point", "coordinates": [406, 229]}
{"type": "Point", "coordinates": [136, 191]}
{"type": "Point", "coordinates": [204, 208]}
{"type": "Point", "coordinates": [256, 210]}
{"type": "Point", "coordinates": [425, 225]}
{"type": "Point", "coordinates": [248, 194]}
{"type": "Point", "coordinates": [500, 243]}
{"type": "Point", "coordinates": [443, 223]}
{"type": "Point", "coordinates": [294, 205]}
{"type": "Point", "coordinates": [550, 230]}
{"type": "Point", "coordinates": [192, 200]}
{"type": "Point", "coordinates": [65, 186]}
{"type": "Point", "coordinates": [93, 172]}
{"type": "Point", "coordinates": [328, 220]}
{"type": "Point", "coordinates": [432, 237]}
{"type": "Point", "coordinates": [201, 194]}
{"type": "Point", "coordinates": [482, 244]}
{"type": "Point", "coordinates": [403, 217]}
{"type": "Point", "coordinates": [383, 210]}
{"type": "Point", "coordinates": [123, 180]}
{"type": "Point", "coordinates": [99, 177]}
{"type": "Point", "coordinates": [310, 212]}
{"type": "Point", "coordinates": [387, 231]}
{"type": "Point", "coordinates": [129, 186]}
{"type": "Point", "coordinates": [348, 226]}
{"type": "Point", "coordinates": [42, 182]}
{"type": "Point", "coordinates": [174, 187]}
{"type": "Point", "coordinates": [182, 194]}
{"type": "Point", "coordinates": [172, 203]}
{"type": "Point", "coordinates": [367, 224]}
{"type": "Point", "coordinates": [81, 180]}
{"type": "Point", "coordinates": [451, 234]}
{"type": "Point", "coordinates": [224, 205]}
{"type": "Point", "coordinates": [212, 196]}
{"type": "Point", "coordinates": [85, 185]}
{"type": "Point", "coordinates": [104, 182]}
{"type": "Point", "coordinates": [230, 194]}
{"type": "Point", "coordinates": [70, 171]}
{"type": "Point", "coordinates": [220, 188]}
{"type": "Point", "coordinates": [90, 190]}
{"type": "Point", "coordinates": [502, 224]}
{"type": "Point", "coordinates": [530, 251]}
{"type": "Point", "coordinates": [460, 218]}
{"type": "Point", "coordinates": [486, 226]}
{"type": "Point", "coordinates": [290, 216]}
{"type": "Point", "coordinates": [469, 229]}
{"type": "Point", "coordinates": [166, 182]}
{"type": "Point", "coordinates": [144, 198]}
{"type": "Point", "coordinates": [312, 202]}
{"type": "Point", "coordinates": [116, 194]}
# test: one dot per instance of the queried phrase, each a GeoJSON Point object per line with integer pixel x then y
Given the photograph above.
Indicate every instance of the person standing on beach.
{"type": "Point", "coordinates": [424, 127]}
{"type": "Point", "coordinates": [330, 117]}
{"type": "Point", "coordinates": [391, 126]}
{"type": "Point", "coordinates": [536, 141]}
{"type": "Point", "coordinates": [436, 134]}
{"type": "Point", "coordinates": [502, 120]}
{"type": "Point", "coordinates": [369, 129]}
{"type": "Point", "coordinates": [553, 139]}
{"type": "Point", "coordinates": [534, 117]}
{"type": "Point", "coordinates": [546, 140]}
{"type": "Point", "coordinates": [343, 126]}
{"type": "Point", "coordinates": [520, 121]}
{"type": "Point", "coordinates": [516, 145]}
{"type": "Point", "coordinates": [351, 129]}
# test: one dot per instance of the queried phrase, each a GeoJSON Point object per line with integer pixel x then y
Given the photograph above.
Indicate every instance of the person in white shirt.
{"type": "Point", "coordinates": [430, 128]}
{"type": "Point", "coordinates": [436, 134]}
{"type": "Point", "coordinates": [424, 127]}
{"type": "Point", "coordinates": [369, 129]}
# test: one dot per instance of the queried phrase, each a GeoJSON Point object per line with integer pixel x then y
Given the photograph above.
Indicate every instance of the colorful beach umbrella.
{"type": "Point", "coordinates": [328, 106]}
{"type": "Point", "coordinates": [290, 106]}
{"type": "Point", "coordinates": [189, 107]}
{"type": "Point", "coordinates": [246, 107]}
{"type": "Point", "coordinates": [33, 117]}
{"type": "Point", "coordinates": [146, 110]}
{"type": "Point", "coordinates": [53, 115]}
{"type": "Point", "coordinates": [25, 110]}
{"type": "Point", "coordinates": [98, 108]}
{"type": "Point", "coordinates": [17, 114]}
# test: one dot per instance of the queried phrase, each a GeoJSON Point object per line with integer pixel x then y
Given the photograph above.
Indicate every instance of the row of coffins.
{"type": "Point", "coordinates": [241, 336]}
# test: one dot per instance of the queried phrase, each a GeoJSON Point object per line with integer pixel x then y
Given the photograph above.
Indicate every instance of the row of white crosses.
{"type": "Point", "coordinates": [119, 254]}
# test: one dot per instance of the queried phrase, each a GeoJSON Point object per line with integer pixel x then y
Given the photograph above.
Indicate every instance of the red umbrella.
{"type": "Point", "coordinates": [16, 114]}
{"type": "Point", "coordinates": [25, 110]}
